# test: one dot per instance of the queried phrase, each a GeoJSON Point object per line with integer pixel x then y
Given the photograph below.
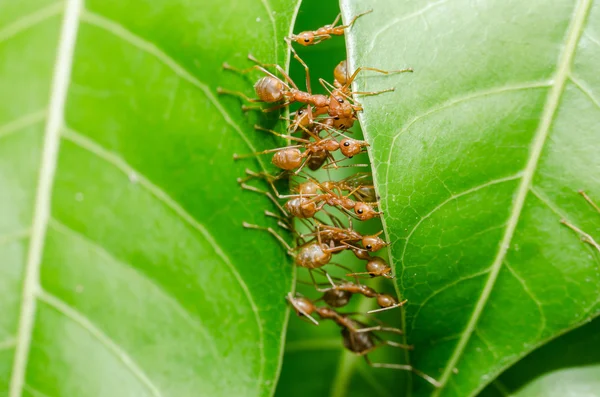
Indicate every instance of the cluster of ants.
{"type": "Point", "coordinates": [326, 209]}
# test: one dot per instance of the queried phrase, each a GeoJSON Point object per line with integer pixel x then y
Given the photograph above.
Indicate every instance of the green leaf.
{"type": "Point", "coordinates": [478, 155]}
{"type": "Point", "coordinates": [125, 269]}
{"type": "Point", "coordinates": [566, 366]}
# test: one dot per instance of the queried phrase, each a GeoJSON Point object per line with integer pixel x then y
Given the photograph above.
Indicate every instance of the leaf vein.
{"type": "Point", "coordinates": [444, 288]}
{"type": "Point", "coordinates": [15, 236]}
{"type": "Point", "coordinates": [41, 211]}
{"type": "Point", "coordinates": [120, 31]}
{"type": "Point", "coordinates": [8, 344]}
{"type": "Point", "coordinates": [452, 198]}
{"type": "Point", "coordinates": [30, 20]}
{"type": "Point", "coordinates": [94, 148]}
{"type": "Point", "coordinates": [552, 102]}
{"type": "Point", "coordinates": [22, 122]}
{"type": "Point", "coordinates": [456, 101]}
{"type": "Point", "coordinates": [79, 319]}
{"type": "Point", "coordinates": [102, 252]}
{"type": "Point", "coordinates": [403, 18]}
{"type": "Point", "coordinates": [585, 90]}
{"type": "Point", "coordinates": [535, 299]}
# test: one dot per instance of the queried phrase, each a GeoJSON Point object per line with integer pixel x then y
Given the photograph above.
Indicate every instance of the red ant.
{"type": "Point", "coordinates": [310, 255]}
{"type": "Point", "coordinates": [272, 89]}
{"type": "Point", "coordinates": [357, 336]}
{"type": "Point", "coordinates": [290, 158]}
{"type": "Point", "coordinates": [339, 295]}
{"type": "Point", "coordinates": [316, 36]}
{"type": "Point", "coordinates": [337, 235]}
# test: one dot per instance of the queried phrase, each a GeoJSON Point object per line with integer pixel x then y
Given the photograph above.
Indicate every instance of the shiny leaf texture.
{"type": "Point", "coordinates": [478, 155]}
{"type": "Point", "coordinates": [567, 366]}
{"type": "Point", "coordinates": [124, 267]}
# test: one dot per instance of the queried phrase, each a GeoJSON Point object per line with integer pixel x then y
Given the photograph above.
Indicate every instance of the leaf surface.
{"type": "Point", "coordinates": [123, 255]}
{"type": "Point", "coordinates": [478, 155]}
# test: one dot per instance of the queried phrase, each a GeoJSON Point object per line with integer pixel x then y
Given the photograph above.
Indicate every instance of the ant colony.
{"type": "Point", "coordinates": [325, 210]}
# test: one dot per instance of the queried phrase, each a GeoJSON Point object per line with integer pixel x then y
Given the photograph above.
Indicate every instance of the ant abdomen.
{"type": "Point", "coordinates": [337, 298]}
{"type": "Point", "coordinates": [358, 342]}
{"type": "Point", "coordinates": [376, 266]}
{"type": "Point", "coordinates": [269, 89]}
{"type": "Point", "coordinates": [313, 255]}
{"type": "Point", "coordinates": [385, 300]}
{"type": "Point", "coordinates": [317, 159]}
{"type": "Point", "coordinates": [340, 74]}
{"type": "Point", "coordinates": [301, 207]}
{"type": "Point", "coordinates": [288, 159]}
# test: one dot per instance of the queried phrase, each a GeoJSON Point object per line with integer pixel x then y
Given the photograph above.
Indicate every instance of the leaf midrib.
{"type": "Point", "coordinates": [41, 211]}
{"type": "Point", "coordinates": [562, 75]}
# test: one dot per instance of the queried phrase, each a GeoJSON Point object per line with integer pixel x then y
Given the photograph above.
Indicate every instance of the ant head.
{"type": "Point", "coordinates": [384, 300]}
{"type": "Point", "coordinates": [351, 147]}
{"type": "Point", "coordinates": [305, 38]}
{"type": "Point", "coordinates": [376, 266]}
{"type": "Point", "coordinates": [288, 159]}
{"type": "Point", "coordinates": [340, 73]}
{"type": "Point", "coordinates": [373, 243]}
{"type": "Point", "coordinates": [364, 211]}
{"type": "Point", "coordinates": [269, 89]}
{"type": "Point", "coordinates": [337, 298]}
{"type": "Point", "coordinates": [303, 117]}
{"type": "Point", "coordinates": [339, 106]}
{"type": "Point", "coordinates": [343, 123]}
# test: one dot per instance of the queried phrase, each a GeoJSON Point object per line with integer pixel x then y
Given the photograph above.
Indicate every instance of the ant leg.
{"type": "Point", "coordinates": [330, 165]}
{"type": "Point", "coordinates": [584, 236]}
{"type": "Point", "coordinates": [589, 200]}
{"type": "Point", "coordinates": [258, 67]}
{"type": "Point", "coordinates": [326, 85]}
{"type": "Point", "coordinates": [404, 367]}
{"type": "Point", "coordinates": [291, 138]}
{"type": "Point", "coordinates": [373, 92]}
{"type": "Point", "coordinates": [398, 345]}
{"type": "Point", "coordinates": [357, 71]}
{"type": "Point", "coordinates": [399, 304]}
{"type": "Point", "coordinates": [273, 108]}
{"type": "Point", "coordinates": [381, 328]}
{"type": "Point", "coordinates": [268, 194]}
{"type": "Point", "coordinates": [262, 67]}
{"type": "Point", "coordinates": [354, 20]}
{"type": "Point", "coordinates": [256, 175]}
{"type": "Point", "coordinates": [282, 222]}
{"type": "Point", "coordinates": [223, 91]}
{"type": "Point", "coordinates": [316, 285]}
{"type": "Point", "coordinates": [284, 243]}
{"type": "Point", "coordinates": [304, 65]}
{"type": "Point", "coordinates": [337, 19]}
